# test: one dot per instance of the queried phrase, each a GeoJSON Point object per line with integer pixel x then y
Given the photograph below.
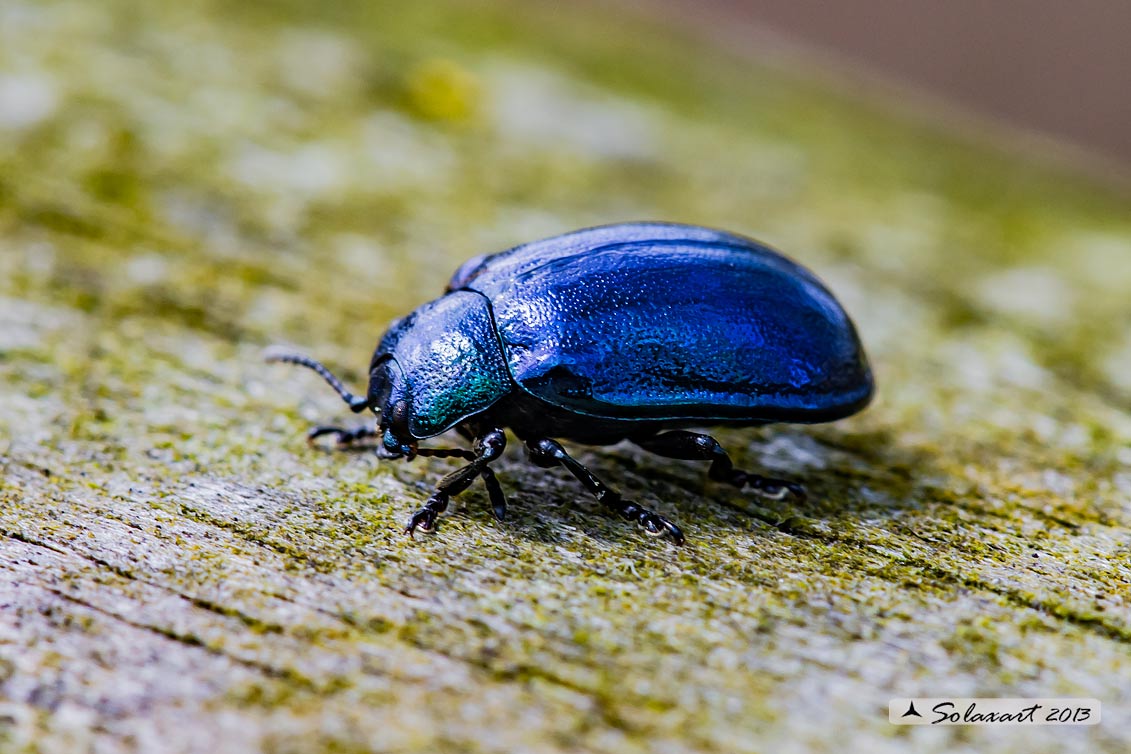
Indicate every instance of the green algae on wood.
{"type": "Point", "coordinates": [181, 185]}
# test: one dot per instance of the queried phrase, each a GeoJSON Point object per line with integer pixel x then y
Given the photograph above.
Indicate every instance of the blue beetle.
{"type": "Point", "coordinates": [633, 331]}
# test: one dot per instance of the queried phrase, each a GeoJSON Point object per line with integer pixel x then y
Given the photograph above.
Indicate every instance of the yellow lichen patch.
{"type": "Point", "coordinates": [441, 89]}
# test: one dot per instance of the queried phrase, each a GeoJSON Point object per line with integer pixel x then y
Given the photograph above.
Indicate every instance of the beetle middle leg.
{"type": "Point", "coordinates": [692, 446]}
{"type": "Point", "coordinates": [488, 447]}
{"type": "Point", "coordinates": [548, 453]}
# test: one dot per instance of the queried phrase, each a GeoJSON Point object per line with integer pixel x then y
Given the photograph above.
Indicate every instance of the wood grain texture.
{"type": "Point", "coordinates": [181, 186]}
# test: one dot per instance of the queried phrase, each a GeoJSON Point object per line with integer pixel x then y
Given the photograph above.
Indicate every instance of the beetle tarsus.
{"type": "Point", "coordinates": [425, 518]}
{"type": "Point", "coordinates": [774, 489]}
{"type": "Point", "coordinates": [693, 446]}
{"type": "Point", "coordinates": [548, 453]}
{"type": "Point", "coordinates": [651, 522]}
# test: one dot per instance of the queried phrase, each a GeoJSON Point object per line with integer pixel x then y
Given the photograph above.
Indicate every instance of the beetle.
{"type": "Point", "coordinates": [634, 331]}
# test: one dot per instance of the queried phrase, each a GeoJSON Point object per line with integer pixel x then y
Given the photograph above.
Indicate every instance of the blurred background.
{"type": "Point", "coordinates": [1055, 69]}
{"type": "Point", "coordinates": [182, 184]}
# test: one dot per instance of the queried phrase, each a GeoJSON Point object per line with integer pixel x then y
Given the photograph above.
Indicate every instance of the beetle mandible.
{"type": "Point", "coordinates": [635, 331]}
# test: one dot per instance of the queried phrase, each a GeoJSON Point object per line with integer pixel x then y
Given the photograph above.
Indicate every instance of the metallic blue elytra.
{"type": "Point", "coordinates": [634, 331]}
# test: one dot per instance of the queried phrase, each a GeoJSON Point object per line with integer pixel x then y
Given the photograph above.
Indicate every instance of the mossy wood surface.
{"type": "Point", "coordinates": [182, 184]}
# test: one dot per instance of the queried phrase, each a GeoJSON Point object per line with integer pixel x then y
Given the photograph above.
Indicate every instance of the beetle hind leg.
{"type": "Point", "coordinates": [548, 453]}
{"type": "Point", "coordinates": [692, 446]}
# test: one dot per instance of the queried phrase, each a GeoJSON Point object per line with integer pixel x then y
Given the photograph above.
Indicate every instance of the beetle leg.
{"type": "Point", "coordinates": [692, 446]}
{"type": "Point", "coordinates": [494, 489]}
{"type": "Point", "coordinates": [488, 447]}
{"type": "Point", "coordinates": [344, 438]}
{"type": "Point", "coordinates": [468, 455]}
{"type": "Point", "coordinates": [548, 453]}
{"type": "Point", "coordinates": [495, 493]}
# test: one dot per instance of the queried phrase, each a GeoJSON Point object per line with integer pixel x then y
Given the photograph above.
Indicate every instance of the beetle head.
{"type": "Point", "coordinates": [387, 396]}
{"type": "Point", "coordinates": [435, 368]}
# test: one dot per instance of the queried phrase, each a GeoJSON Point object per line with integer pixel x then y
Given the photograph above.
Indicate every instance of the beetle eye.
{"type": "Point", "coordinates": [380, 384]}
{"type": "Point", "coordinates": [398, 416]}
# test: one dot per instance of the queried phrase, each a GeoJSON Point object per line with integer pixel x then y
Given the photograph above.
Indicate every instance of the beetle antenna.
{"type": "Point", "coordinates": [356, 403]}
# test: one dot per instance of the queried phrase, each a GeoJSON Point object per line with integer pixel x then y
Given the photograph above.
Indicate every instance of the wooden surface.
{"type": "Point", "coordinates": [181, 186]}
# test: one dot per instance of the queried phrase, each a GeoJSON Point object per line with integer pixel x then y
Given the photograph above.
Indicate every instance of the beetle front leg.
{"type": "Point", "coordinates": [344, 438]}
{"type": "Point", "coordinates": [494, 493]}
{"type": "Point", "coordinates": [548, 453]}
{"type": "Point", "coordinates": [692, 446]}
{"type": "Point", "coordinates": [488, 447]}
{"type": "Point", "coordinates": [494, 489]}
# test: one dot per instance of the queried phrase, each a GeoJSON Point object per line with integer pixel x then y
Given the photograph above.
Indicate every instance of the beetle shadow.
{"type": "Point", "coordinates": [862, 476]}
